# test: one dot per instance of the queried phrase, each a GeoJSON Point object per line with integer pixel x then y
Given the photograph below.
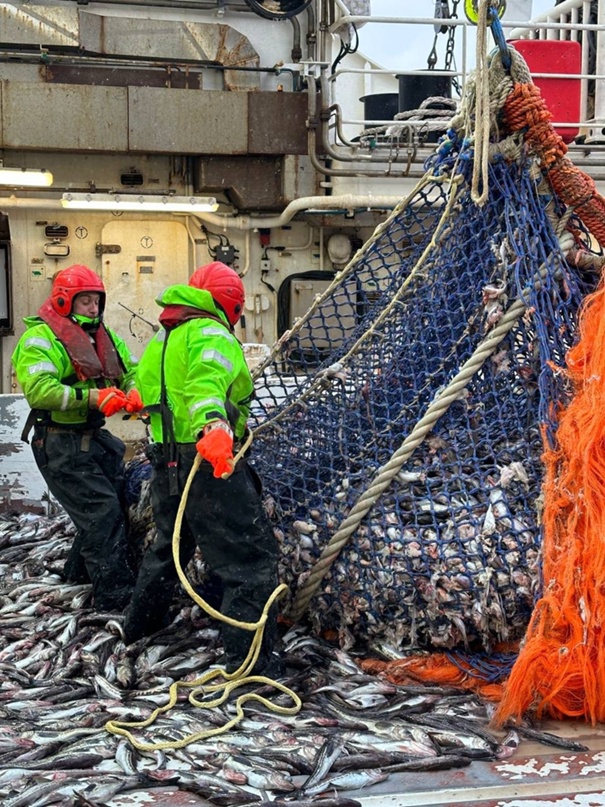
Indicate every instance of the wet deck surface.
{"type": "Point", "coordinates": [22, 489]}
{"type": "Point", "coordinates": [551, 779]}
{"type": "Point", "coordinates": [534, 775]}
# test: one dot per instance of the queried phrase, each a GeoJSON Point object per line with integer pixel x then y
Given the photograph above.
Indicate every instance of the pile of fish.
{"type": "Point", "coordinates": [65, 672]}
{"type": "Point", "coordinates": [423, 569]}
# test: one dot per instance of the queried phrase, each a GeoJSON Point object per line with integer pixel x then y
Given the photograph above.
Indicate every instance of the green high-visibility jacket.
{"type": "Point", "coordinates": [48, 379]}
{"type": "Point", "coordinates": [205, 370]}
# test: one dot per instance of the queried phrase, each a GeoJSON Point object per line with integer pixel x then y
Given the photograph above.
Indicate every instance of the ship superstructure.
{"type": "Point", "coordinates": [254, 132]}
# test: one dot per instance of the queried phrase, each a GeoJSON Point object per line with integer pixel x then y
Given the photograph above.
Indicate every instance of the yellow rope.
{"type": "Point", "coordinates": [203, 684]}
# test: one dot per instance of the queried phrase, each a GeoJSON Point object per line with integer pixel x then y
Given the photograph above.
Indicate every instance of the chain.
{"type": "Point", "coordinates": [449, 49]}
{"type": "Point", "coordinates": [442, 12]}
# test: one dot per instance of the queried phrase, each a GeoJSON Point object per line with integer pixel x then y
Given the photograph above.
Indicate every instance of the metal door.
{"type": "Point", "coordinates": [139, 259]}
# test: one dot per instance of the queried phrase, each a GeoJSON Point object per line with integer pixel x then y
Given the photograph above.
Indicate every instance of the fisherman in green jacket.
{"type": "Point", "coordinates": [74, 372]}
{"type": "Point", "coordinates": [196, 385]}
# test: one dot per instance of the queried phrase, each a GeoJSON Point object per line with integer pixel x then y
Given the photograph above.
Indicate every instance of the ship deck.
{"type": "Point", "coordinates": [535, 775]}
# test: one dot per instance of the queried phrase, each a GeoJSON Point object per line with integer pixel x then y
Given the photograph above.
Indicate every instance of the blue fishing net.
{"type": "Point", "coordinates": [137, 471]}
{"type": "Point", "coordinates": [488, 667]}
{"type": "Point", "coordinates": [448, 553]}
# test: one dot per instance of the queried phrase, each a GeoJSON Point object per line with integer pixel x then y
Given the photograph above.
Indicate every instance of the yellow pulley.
{"type": "Point", "coordinates": [471, 9]}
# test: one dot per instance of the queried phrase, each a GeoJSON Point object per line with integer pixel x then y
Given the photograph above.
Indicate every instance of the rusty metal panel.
{"type": "Point", "coordinates": [22, 488]}
{"type": "Point", "coordinates": [181, 122]}
{"type": "Point", "coordinates": [162, 76]}
{"type": "Point", "coordinates": [276, 123]}
{"type": "Point", "coordinates": [210, 42]}
{"type": "Point", "coordinates": [64, 117]}
{"type": "Point", "coordinates": [251, 183]}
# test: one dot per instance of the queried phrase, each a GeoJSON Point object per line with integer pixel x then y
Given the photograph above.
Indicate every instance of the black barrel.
{"type": "Point", "coordinates": [380, 106]}
{"type": "Point", "coordinates": [413, 90]}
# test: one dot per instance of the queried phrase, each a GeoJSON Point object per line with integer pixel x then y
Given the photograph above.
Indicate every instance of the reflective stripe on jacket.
{"type": "Point", "coordinates": [46, 375]}
{"type": "Point", "coordinates": [205, 370]}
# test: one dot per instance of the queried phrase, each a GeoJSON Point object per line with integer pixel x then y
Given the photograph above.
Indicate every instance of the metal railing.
{"type": "Point", "coordinates": [573, 20]}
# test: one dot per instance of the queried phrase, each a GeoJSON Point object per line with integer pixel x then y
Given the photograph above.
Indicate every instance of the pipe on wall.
{"type": "Point", "coordinates": [305, 203]}
{"type": "Point", "coordinates": [313, 123]}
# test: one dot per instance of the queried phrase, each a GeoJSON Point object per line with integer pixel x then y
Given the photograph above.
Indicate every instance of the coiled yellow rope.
{"type": "Point", "coordinates": [203, 685]}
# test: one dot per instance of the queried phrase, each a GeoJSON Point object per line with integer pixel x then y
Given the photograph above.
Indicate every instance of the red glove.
{"type": "Point", "coordinates": [108, 400]}
{"type": "Point", "coordinates": [134, 402]}
{"type": "Point", "coordinates": [216, 446]}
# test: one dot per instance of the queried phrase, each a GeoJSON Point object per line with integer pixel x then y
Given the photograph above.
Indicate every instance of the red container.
{"type": "Point", "coordinates": [561, 95]}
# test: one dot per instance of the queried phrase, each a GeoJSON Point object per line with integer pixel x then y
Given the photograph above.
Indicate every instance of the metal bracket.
{"type": "Point", "coordinates": [107, 249]}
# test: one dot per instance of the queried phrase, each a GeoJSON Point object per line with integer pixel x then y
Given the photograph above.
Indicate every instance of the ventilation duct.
{"type": "Point", "coordinates": [56, 231]}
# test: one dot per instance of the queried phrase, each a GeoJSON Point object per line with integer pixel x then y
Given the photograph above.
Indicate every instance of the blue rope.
{"type": "Point", "coordinates": [489, 668]}
{"type": "Point", "coordinates": [500, 39]}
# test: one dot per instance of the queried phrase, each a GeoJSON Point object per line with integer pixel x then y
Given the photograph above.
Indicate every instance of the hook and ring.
{"type": "Point", "coordinates": [494, 14]}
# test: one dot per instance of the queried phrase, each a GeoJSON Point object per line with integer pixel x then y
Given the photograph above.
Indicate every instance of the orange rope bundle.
{"type": "Point", "coordinates": [561, 667]}
{"type": "Point", "coordinates": [525, 110]}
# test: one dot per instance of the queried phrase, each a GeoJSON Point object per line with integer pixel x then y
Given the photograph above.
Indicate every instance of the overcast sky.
{"type": "Point", "coordinates": [395, 47]}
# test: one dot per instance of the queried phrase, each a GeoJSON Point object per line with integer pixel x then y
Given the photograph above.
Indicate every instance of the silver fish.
{"type": "Point", "coordinates": [126, 757]}
{"type": "Point", "coordinates": [326, 757]}
{"type": "Point", "coordinates": [350, 780]}
{"type": "Point", "coordinates": [261, 778]}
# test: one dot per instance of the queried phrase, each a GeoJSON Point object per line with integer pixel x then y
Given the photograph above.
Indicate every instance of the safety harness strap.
{"type": "Point", "coordinates": [168, 436]}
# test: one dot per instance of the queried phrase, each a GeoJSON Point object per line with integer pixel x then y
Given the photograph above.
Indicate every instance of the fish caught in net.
{"type": "Point", "coordinates": [399, 424]}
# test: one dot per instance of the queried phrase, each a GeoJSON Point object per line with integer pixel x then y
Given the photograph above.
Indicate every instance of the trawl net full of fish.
{"type": "Point", "coordinates": [408, 404]}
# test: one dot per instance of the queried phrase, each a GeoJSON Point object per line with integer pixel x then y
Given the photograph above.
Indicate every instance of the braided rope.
{"type": "Point", "coordinates": [482, 125]}
{"type": "Point", "coordinates": [389, 470]}
{"type": "Point", "coordinates": [525, 111]}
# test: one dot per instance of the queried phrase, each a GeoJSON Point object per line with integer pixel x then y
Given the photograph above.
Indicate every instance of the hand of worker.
{"type": "Point", "coordinates": [134, 402]}
{"type": "Point", "coordinates": [108, 400]}
{"type": "Point", "coordinates": [216, 446]}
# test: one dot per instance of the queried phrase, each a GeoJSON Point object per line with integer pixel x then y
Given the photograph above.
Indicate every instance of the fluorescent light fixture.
{"type": "Point", "coordinates": [136, 202]}
{"type": "Point", "coordinates": [26, 177]}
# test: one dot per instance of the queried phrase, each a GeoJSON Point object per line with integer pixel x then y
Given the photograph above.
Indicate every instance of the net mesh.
{"type": "Point", "coordinates": [447, 552]}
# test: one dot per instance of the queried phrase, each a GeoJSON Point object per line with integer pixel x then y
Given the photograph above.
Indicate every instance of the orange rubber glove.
{"type": "Point", "coordinates": [216, 446]}
{"type": "Point", "coordinates": [134, 402]}
{"type": "Point", "coordinates": [108, 400]}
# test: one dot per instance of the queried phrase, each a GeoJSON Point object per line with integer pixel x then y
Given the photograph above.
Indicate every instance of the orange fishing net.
{"type": "Point", "coordinates": [561, 667]}
{"type": "Point", "coordinates": [444, 669]}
